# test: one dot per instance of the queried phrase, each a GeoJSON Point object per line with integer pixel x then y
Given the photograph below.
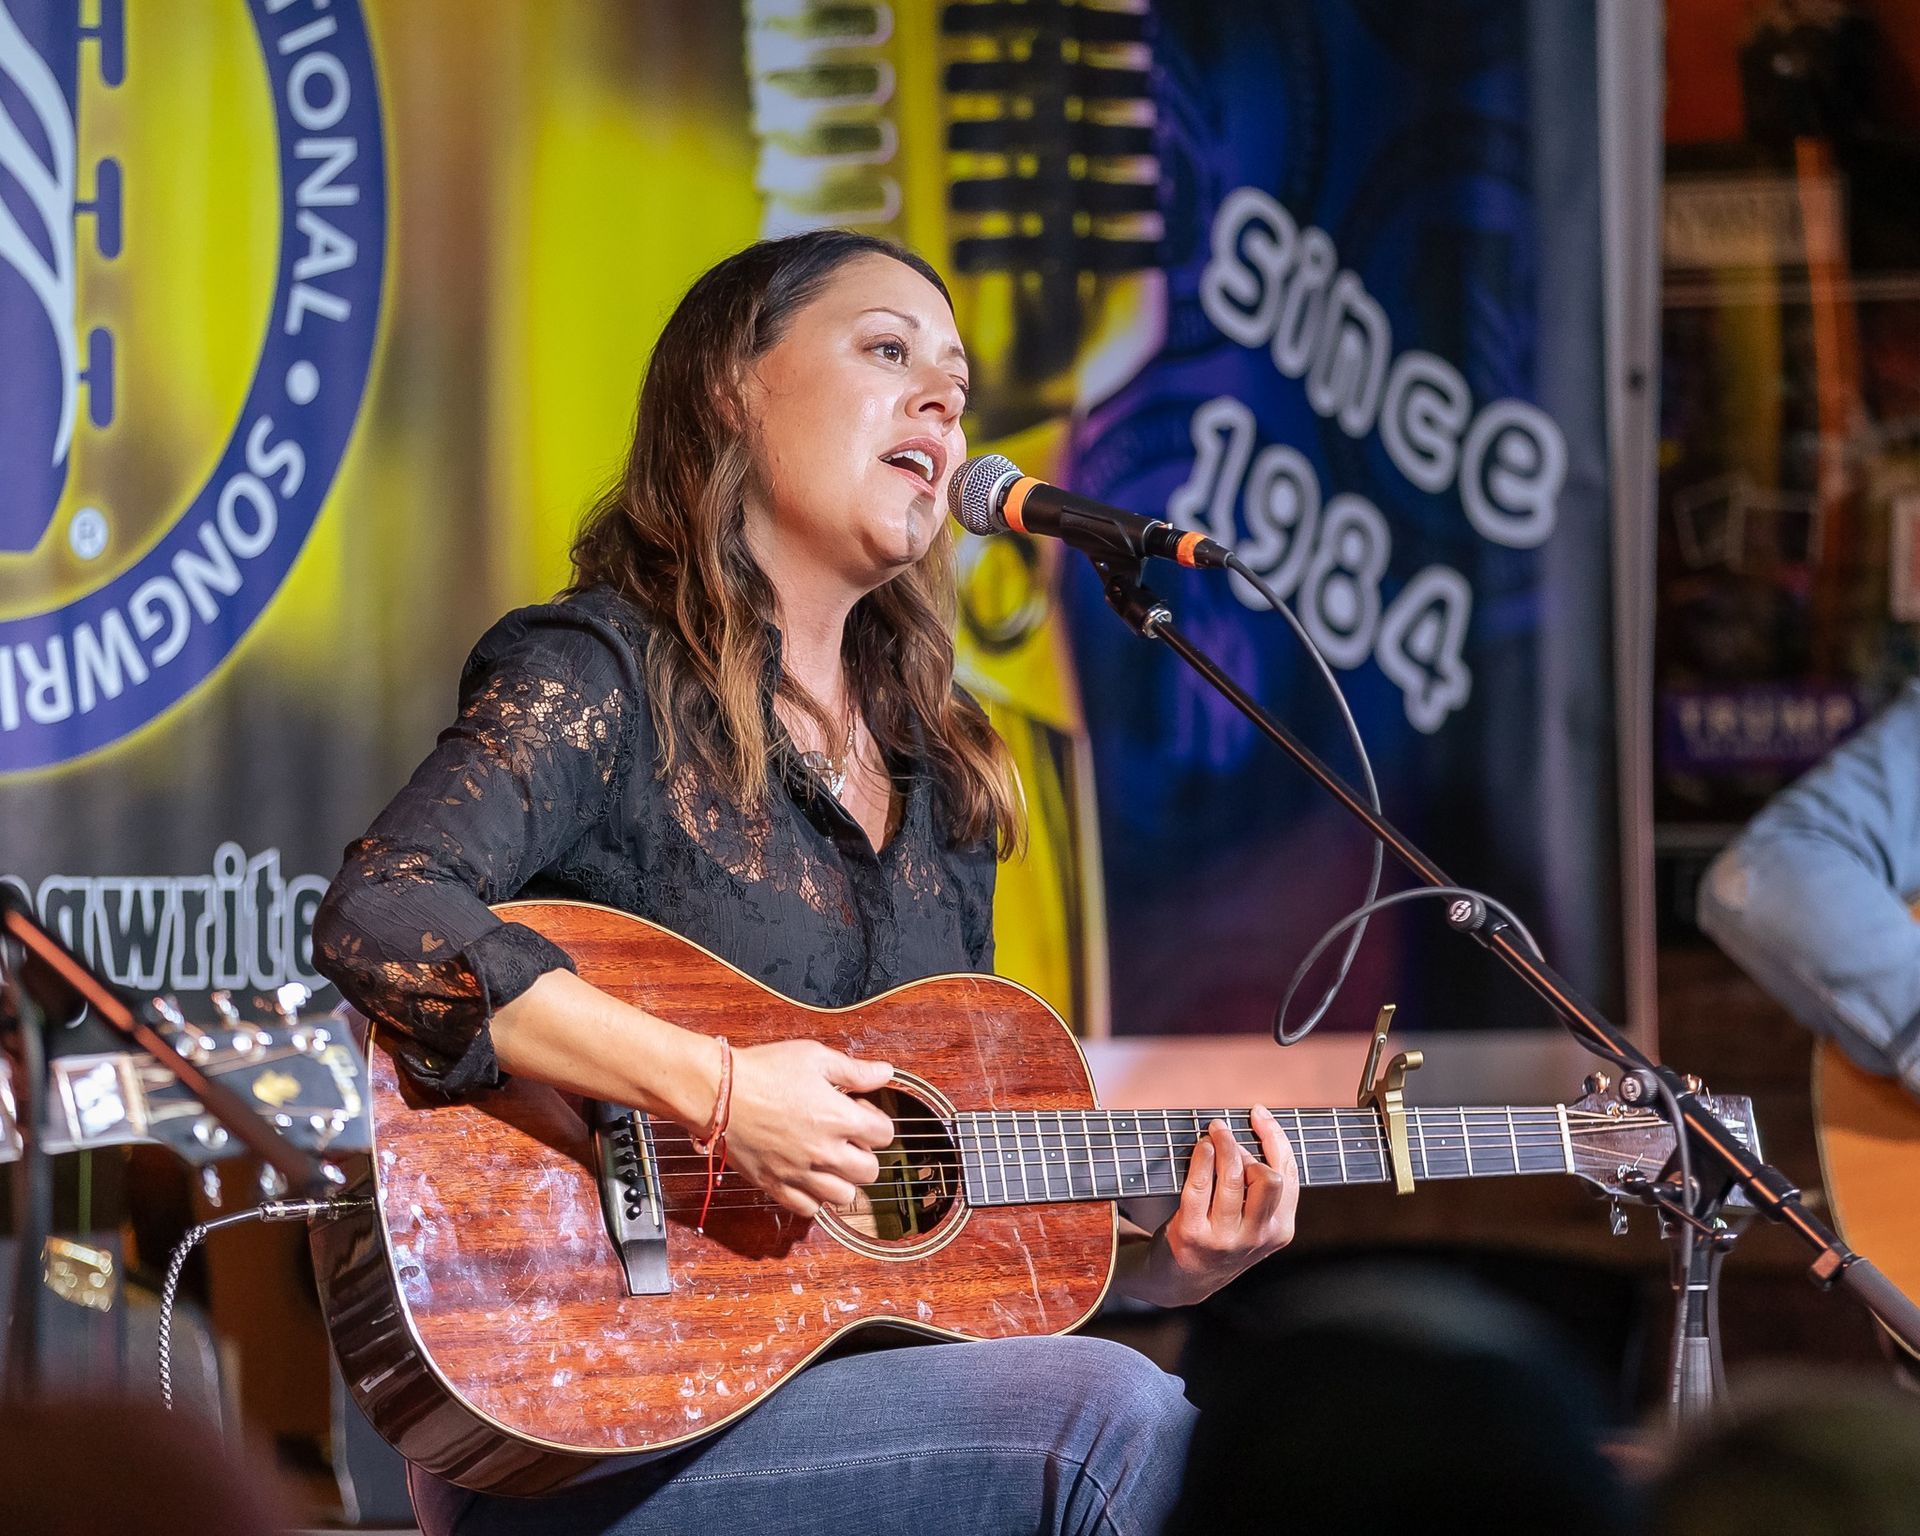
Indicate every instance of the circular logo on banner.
{"type": "Point", "coordinates": [156, 576]}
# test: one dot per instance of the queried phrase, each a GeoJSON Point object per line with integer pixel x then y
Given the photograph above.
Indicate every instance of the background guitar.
{"type": "Point", "coordinates": [308, 1080]}
{"type": "Point", "coordinates": [1868, 1131]}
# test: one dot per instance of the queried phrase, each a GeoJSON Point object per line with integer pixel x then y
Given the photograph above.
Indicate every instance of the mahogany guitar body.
{"type": "Point", "coordinates": [477, 1302]}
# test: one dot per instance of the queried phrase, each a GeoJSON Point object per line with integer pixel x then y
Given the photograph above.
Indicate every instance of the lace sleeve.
{"type": "Point", "coordinates": [550, 705]}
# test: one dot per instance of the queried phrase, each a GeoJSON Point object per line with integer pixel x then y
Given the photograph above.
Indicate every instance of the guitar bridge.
{"type": "Point", "coordinates": [630, 1196]}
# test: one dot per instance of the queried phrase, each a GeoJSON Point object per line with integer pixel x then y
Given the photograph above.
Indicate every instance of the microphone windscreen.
{"type": "Point", "coordinates": [974, 494]}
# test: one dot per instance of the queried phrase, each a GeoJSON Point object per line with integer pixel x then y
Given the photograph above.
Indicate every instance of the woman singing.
{"type": "Point", "coordinates": [740, 722]}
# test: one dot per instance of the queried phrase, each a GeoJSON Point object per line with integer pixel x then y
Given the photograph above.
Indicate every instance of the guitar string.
{"type": "Point", "coordinates": [1453, 1145]}
{"type": "Point", "coordinates": [754, 1199]}
{"type": "Point", "coordinates": [1326, 1149]}
{"type": "Point", "coordinates": [1539, 1129]}
{"type": "Point", "coordinates": [1354, 1140]}
{"type": "Point", "coordinates": [1347, 1121]}
{"type": "Point", "coordinates": [1310, 1143]}
{"type": "Point", "coordinates": [1324, 1144]}
{"type": "Point", "coordinates": [1344, 1120]}
{"type": "Point", "coordinates": [1372, 1173]}
{"type": "Point", "coordinates": [1037, 1156]}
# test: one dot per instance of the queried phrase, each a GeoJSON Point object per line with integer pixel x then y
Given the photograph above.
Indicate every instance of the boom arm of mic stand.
{"type": "Point", "coordinates": [302, 1170]}
{"type": "Point", "coordinates": [1771, 1192]}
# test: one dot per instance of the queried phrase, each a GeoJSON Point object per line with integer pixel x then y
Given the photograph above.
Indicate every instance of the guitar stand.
{"type": "Point", "coordinates": [1698, 1237]}
{"type": "Point", "coordinates": [1719, 1160]}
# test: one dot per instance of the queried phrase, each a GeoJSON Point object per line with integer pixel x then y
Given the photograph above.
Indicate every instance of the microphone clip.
{"type": "Point", "coordinates": [1143, 610]}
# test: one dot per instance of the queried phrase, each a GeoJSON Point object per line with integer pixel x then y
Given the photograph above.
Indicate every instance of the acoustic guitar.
{"type": "Point", "coordinates": [527, 1293]}
{"type": "Point", "coordinates": [1868, 1132]}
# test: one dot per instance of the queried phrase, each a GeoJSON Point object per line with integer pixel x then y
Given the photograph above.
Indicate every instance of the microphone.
{"type": "Point", "coordinates": [990, 495]}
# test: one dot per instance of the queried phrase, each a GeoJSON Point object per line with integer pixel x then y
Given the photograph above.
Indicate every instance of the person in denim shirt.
{"type": "Point", "coordinates": [1812, 899]}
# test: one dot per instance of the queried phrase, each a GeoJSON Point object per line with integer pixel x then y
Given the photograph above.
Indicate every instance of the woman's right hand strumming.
{"type": "Point", "coordinates": [794, 1128]}
{"type": "Point", "coordinates": [797, 1132]}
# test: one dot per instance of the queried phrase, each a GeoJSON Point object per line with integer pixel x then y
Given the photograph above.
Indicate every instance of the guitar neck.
{"type": "Point", "coordinates": [1031, 1157]}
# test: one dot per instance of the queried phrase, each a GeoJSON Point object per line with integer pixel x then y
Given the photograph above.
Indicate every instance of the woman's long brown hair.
{"type": "Point", "coordinates": [671, 535]}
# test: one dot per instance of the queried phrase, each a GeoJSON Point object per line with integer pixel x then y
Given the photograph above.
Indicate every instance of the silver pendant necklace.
{"type": "Point", "coordinates": [832, 770]}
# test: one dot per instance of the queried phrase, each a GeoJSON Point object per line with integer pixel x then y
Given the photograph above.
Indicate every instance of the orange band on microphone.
{"type": "Point", "coordinates": [1184, 550]}
{"type": "Point", "coordinates": [1016, 498]}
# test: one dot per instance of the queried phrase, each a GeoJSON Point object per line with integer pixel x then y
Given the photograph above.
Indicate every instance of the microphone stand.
{"type": "Point", "coordinates": [1720, 1161]}
{"type": "Point", "coordinates": [32, 1181]}
{"type": "Point", "coordinates": [43, 978]}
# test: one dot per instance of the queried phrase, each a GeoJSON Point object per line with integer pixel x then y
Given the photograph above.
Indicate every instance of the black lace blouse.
{"type": "Point", "coordinates": [549, 785]}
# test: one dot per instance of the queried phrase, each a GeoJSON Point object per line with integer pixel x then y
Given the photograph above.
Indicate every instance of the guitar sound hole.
{"type": "Point", "coordinates": [919, 1174]}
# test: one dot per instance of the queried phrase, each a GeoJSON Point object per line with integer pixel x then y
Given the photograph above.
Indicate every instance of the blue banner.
{"type": "Point", "coordinates": [1379, 381]}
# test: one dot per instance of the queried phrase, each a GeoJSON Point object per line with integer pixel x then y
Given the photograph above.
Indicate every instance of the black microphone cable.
{"type": "Point", "coordinates": [1478, 904]}
{"type": "Point", "coordinates": [1281, 1035]}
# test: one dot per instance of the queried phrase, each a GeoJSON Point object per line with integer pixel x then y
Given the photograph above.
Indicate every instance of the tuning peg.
{"type": "Point", "coordinates": [198, 1041]}
{"type": "Point", "coordinates": [1616, 1218]}
{"type": "Point", "coordinates": [326, 1128]}
{"type": "Point", "coordinates": [290, 998]}
{"type": "Point", "coordinates": [210, 1133]}
{"type": "Point", "coordinates": [223, 1005]}
{"type": "Point", "coordinates": [1597, 1083]}
{"type": "Point", "coordinates": [210, 1184]}
{"type": "Point", "coordinates": [273, 1183]}
{"type": "Point", "coordinates": [1639, 1087]}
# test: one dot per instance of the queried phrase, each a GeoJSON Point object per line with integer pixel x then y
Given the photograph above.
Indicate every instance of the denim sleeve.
{"type": "Point", "coordinates": [1811, 900]}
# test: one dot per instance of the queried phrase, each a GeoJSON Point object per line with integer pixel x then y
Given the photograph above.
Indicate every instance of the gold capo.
{"type": "Point", "coordinates": [1385, 1096]}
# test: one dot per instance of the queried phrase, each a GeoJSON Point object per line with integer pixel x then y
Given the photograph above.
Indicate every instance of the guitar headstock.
{"type": "Point", "coordinates": [1618, 1130]}
{"type": "Point", "coordinates": [306, 1078]}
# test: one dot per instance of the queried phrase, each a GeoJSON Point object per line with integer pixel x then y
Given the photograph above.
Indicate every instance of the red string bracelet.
{"type": "Point", "coordinates": [714, 1143]}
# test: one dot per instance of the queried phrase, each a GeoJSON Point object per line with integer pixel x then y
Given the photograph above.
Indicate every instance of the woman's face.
{"type": "Point", "coordinates": [857, 413]}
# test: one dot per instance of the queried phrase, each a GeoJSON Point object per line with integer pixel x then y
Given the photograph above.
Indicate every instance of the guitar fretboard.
{"type": "Point", "coordinates": [1030, 1157]}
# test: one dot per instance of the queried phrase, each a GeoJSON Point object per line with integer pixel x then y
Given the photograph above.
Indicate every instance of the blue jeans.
{"type": "Point", "coordinates": [1015, 1435]}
